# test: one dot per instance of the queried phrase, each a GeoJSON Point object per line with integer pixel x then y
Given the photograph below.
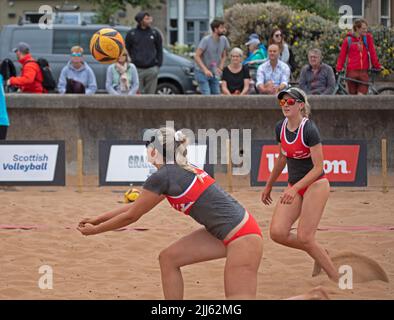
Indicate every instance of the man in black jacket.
{"type": "Point", "coordinates": [145, 47]}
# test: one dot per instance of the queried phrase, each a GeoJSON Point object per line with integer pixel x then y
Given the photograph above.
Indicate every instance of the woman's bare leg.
{"type": "Point", "coordinates": [196, 247]}
{"type": "Point", "coordinates": [283, 219]}
{"type": "Point", "coordinates": [309, 210]}
{"type": "Point", "coordinates": [242, 264]}
{"type": "Point", "coordinates": [315, 199]}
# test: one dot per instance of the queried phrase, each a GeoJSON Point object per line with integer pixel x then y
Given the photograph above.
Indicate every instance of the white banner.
{"type": "Point", "coordinates": [129, 162]}
{"type": "Point", "coordinates": [29, 162]}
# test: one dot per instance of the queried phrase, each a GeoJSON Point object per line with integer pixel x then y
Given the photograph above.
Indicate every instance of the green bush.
{"type": "Point", "coordinates": [317, 6]}
{"type": "Point", "coordinates": [182, 50]}
{"type": "Point", "coordinates": [303, 30]}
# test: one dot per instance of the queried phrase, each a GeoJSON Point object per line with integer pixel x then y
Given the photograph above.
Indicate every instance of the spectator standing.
{"type": "Point", "coordinates": [273, 75]}
{"type": "Point", "coordinates": [77, 76]}
{"type": "Point", "coordinates": [210, 58]}
{"type": "Point", "coordinates": [317, 77]}
{"type": "Point", "coordinates": [31, 78]}
{"type": "Point", "coordinates": [235, 79]}
{"type": "Point", "coordinates": [122, 77]}
{"type": "Point", "coordinates": [357, 56]}
{"type": "Point", "coordinates": [145, 47]}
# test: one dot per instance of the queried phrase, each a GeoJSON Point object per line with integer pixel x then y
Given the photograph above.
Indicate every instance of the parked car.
{"type": "Point", "coordinates": [176, 74]}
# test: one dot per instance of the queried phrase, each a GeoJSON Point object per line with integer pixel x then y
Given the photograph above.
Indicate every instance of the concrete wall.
{"type": "Point", "coordinates": [107, 117]}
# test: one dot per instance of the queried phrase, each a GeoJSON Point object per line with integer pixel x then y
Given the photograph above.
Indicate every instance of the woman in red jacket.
{"type": "Point", "coordinates": [358, 55]}
{"type": "Point", "coordinates": [31, 78]}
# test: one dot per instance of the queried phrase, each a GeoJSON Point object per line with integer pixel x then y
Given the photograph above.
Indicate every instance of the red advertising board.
{"type": "Point", "coordinates": [344, 162]}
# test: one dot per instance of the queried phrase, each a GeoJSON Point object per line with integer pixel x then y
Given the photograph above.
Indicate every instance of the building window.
{"type": "Point", "coordinates": [385, 12]}
{"type": "Point", "coordinates": [356, 5]}
{"type": "Point", "coordinates": [33, 17]}
{"type": "Point", "coordinates": [172, 22]}
{"type": "Point", "coordinates": [173, 31]}
{"type": "Point", "coordinates": [196, 21]}
{"type": "Point", "coordinates": [196, 8]}
{"type": "Point", "coordinates": [219, 8]}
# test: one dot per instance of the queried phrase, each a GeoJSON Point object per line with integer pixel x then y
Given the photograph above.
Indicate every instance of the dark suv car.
{"type": "Point", "coordinates": [176, 74]}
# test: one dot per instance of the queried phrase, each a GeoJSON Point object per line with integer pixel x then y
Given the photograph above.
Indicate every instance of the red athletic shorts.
{"type": "Point", "coordinates": [303, 190]}
{"type": "Point", "coordinates": [250, 227]}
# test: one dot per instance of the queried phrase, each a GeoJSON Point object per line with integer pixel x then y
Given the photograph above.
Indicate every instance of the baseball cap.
{"type": "Point", "coordinates": [253, 38]}
{"type": "Point", "coordinates": [252, 41]}
{"type": "Point", "coordinates": [22, 47]}
{"type": "Point", "coordinates": [292, 92]}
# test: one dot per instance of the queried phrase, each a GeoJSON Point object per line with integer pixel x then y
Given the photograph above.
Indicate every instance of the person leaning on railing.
{"type": "Point", "coordinates": [357, 56]}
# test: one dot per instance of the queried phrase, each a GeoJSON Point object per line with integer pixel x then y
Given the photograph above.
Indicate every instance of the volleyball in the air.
{"type": "Point", "coordinates": [107, 45]}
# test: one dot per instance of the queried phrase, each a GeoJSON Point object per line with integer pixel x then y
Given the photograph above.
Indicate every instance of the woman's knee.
{"type": "Point", "coordinates": [305, 238]}
{"type": "Point", "coordinates": [278, 234]}
{"type": "Point", "coordinates": [167, 258]}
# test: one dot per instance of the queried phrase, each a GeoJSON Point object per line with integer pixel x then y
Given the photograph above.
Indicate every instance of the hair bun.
{"type": "Point", "coordinates": [179, 136]}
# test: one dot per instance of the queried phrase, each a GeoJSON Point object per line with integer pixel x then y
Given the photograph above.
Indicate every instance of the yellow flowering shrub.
{"type": "Point", "coordinates": [303, 31]}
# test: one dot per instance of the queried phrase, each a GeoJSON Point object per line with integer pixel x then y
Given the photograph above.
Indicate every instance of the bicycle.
{"type": "Point", "coordinates": [340, 87]}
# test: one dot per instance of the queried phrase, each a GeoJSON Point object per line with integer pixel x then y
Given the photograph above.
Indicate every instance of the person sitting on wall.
{"type": "Point", "coordinates": [317, 77]}
{"type": "Point", "coordinates": [77, 76]}
{"type": "Point", "coordinates": [31, 78]}
{"type": "Point", "coordinates": [122, 77]}
{"type": "Point", "coordinates": [273, 75]}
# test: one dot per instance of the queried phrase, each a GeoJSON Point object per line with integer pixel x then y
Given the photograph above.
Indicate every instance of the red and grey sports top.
{"type": "Point", "coordinates": [205, 201]}
{"type": "Point", "coordinates": [186, 199]}
{"type": "Point", "coordinates": [296, 147]}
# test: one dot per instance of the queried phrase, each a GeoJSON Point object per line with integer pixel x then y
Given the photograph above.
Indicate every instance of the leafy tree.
{"type": "Point", "coordinates": [323, 8]}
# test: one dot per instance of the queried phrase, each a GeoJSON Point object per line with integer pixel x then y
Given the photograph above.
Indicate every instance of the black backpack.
{"type": "Point", "coordinates": [8, 70]}
{"type": "Point", "coordinates": [49, 82]}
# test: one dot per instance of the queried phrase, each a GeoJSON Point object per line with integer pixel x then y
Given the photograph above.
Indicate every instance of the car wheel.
{"type": "Point", "coordinates": [167, 88]}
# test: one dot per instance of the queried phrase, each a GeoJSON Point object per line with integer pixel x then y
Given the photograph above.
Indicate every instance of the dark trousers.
{"type": "Point", "coordinates": [3, 132]}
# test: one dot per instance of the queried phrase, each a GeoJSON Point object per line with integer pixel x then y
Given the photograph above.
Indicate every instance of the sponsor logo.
{"type": "Point", "coordinates": [182, 206]}
{"type": "Point", "coordinates": [340, 162]}
{"type": "Point", "coordinates": [27, 163]}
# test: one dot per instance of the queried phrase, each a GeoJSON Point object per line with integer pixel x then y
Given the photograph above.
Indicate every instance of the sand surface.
{"type": "Point", "coordinates": [124, 265]}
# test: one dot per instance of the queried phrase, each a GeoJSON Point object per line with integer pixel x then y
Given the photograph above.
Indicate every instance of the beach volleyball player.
{"type": "Point", "coordinates": [229, 230]}
{"type": "Point", "coordinates": [308, 189]}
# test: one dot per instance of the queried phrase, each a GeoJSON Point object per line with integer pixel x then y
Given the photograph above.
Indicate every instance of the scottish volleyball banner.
{"type": "Point", "coordinates": [32, 163]}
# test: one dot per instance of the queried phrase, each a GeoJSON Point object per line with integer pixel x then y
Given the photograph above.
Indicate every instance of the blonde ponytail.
{"type": "Point", "coordinates": [179, 141]}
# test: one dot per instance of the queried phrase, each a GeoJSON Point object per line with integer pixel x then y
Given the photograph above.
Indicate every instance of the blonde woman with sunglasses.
{"type": "Point", "coordinates": [307, 193]}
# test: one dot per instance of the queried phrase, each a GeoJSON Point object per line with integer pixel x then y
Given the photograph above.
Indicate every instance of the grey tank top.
{"type": "Point", "coordinates": [215, 209]}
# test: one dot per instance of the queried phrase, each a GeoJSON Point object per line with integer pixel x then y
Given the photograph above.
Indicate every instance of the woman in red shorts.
{"type": "Point", "coordinates": [308, 189]}
{"type": "Point", "coordinates": [228, 231]}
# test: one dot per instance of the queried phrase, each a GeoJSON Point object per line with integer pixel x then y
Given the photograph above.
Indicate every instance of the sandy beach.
{"type": "Point", "coordinates": [124, 264]}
